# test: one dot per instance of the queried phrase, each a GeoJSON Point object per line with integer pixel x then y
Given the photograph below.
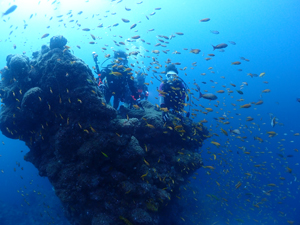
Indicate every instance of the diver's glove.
{"type": "Point", "coordinates": [165, 116]}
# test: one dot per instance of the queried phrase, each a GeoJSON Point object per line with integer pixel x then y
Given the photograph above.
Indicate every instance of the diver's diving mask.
{"type": "Point", "coordinates": [171, 75]}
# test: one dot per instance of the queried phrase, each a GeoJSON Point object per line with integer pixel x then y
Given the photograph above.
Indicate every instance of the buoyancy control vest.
{"type": "Point", "coordinates": [175, 94]}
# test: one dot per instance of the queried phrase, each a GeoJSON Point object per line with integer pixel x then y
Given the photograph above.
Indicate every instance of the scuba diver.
{"type": "Point", "coordinates": [142, 89]}
{"type": "Point", "coordinates": [139, 83]}
{"type": "Point", "coordinates": [172, 93]}
{"type": "Point", "coordinates": [115, 80]}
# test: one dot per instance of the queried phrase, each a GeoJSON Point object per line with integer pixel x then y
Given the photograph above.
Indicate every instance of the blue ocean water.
{"type": "Point", "coordinates": [265, 32]}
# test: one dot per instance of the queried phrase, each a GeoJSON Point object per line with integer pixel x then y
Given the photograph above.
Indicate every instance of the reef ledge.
{"type": "Point", "coordinates": [105, 168]}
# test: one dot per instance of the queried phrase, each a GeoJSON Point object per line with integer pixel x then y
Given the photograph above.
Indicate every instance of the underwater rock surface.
{"type": "Point", "coordinates": [106, 168]}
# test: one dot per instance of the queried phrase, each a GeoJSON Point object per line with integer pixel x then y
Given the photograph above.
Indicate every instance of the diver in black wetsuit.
{"type": "Point", "coordinates": [172, 93]}
{"type": "Point", "coordinates": [142, 89]}
{"type": "Point", "coordinates": [115, 79]}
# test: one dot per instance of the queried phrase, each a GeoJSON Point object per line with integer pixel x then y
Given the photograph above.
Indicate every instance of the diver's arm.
{"type": "Point", "coordinates": [132, 88]}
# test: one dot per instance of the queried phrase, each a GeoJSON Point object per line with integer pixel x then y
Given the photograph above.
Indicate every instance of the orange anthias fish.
{"type": "Point", "coordinates": [116, 74]}
{"type": "Point", "coordinates": [245, 106]}
{"type": "Point", "coordinates": [266, 91]}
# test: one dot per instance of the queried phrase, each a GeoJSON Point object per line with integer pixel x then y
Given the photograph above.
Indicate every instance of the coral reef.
{"type": "Point", "coordinates": [106, 167]}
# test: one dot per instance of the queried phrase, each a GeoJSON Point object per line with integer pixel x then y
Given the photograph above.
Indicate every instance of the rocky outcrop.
{"type": "Point", "coordinates": [106, 167]}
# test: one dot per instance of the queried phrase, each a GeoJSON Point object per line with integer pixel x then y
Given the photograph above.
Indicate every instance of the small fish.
{"type": "Point", "coordinates": [209, 167]}
{"type": "Point", "coordinates": [249, 118]}
{"type": "Point", "coordinates": [116, 73]}
{"type": "Point", "coordinates": [146, 162]}
{"type": "Point", "coordinates": [205, 20]}
{"type": "Point", "coordinates": [150, 126]}
{"type": "Point", "coordinates": [144, 175]}
{"type": "Point", "coordinates": [214, 32]}
{"type": "Point", "coordinates": [136, 37]}
{"type": "Point", "coordinates": [164, 109]}
{"type": "Point", "coordinates": [224, 131]}
{"type": "Point", "coordinates": [44, 36]}
{"type": "Point", "coordinates": [232, 42]}
{"type": "Point", "coordinates": [240, 92]}
{"type": "Point", "coordinates": [271, 133]}
{"type": "Point", "coordinates": [127, 70]}
{"type": "Point", "coordinates": [238, 185]}
{"type": "Point", "coordinates": [133, 26]}
{"type": "Point", "coordinates": [125, 20]}
{"type": "Point", "coordinates": [195, 51]}
{"type": "Point", "coordinates": [10, 10]}
{"type": "Point", "coordinates": [215, 143]}
{"type": "Point", "coordinates": [245, 106]}
{"type": "Point", "coordinates": [208, 96]}
{"type": "Point", "coordinates": [259, 139]}
{"type": "Point", "coordinates": [236, 63]}
{"type": "Point", "coordinates": [266, 91]}
{"type": "Point", "coordinates": [262, 74]}
{"type": "Point", "coordinates": [94, 38]}
{"type": "Point", "coordinates": [179, 33]}
{"type": "Point", "coordinates": [104, 154]}
{"type": "Point", "coordinates": [86, 29]}
{"type": "Point", "coordinates": [298, 99]}
{"type": "Point", "coordinates": [220, 46]}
